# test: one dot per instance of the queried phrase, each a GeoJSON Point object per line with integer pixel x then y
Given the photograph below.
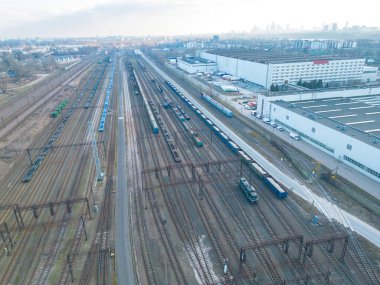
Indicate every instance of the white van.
{"type": "Point", "coordinates": [294, 136]}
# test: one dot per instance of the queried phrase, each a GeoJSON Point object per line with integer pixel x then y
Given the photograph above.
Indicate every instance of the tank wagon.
{"type": "Point", "coordinates": [276, 188]}
{"type": "Point", "coordinates": [193, 134]}
{"type": "Point", "coordinates": [166, 133]}
{"type": "Point", "coordinates": [216, 104]}
{"type": "Point", "coordinates": [184, 114]}
{"type": "Point", "coordinates": [152, 120]}
{"type": "Point", "coordinates": [132, 77]}
{"type": "Point", "coordinates": [248, 190]}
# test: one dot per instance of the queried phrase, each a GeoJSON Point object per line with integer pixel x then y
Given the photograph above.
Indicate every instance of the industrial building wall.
{"type": "Point", "coordinates": [370, 74]}
{"type": "Point", "coordinates": [264, 101]}
{"type": "Point", "coordinates": [326, 70]}
{"type": "Point", "coordinates": [194, 68]}
{"type": "Point", "coordinates": [251, 71]}
{"type": "Point", "coordinates": [345, 148]}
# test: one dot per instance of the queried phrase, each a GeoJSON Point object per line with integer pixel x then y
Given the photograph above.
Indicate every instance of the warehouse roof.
{"type": "Point", "coordinates": [356, 116]}
{"type": "Point", "coordinates": [196, 60]}
{"type": "Point", "coordinates": [266, 57]}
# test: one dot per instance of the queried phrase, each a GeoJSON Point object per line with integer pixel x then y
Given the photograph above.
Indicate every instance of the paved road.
{"type": "Point", "coordinates": [362, 181]}
{"type": "Point", "coordinates": [330, 210]}
{"type": "Point", "coordinates": [124, 260]}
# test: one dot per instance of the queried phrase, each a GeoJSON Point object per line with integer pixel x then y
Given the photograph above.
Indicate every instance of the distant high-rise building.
{"type": "Point", "coordinates": [334, 27]}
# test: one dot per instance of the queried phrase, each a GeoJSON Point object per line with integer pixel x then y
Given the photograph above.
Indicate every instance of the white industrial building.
{"type": "Point", "coordinates": [265, 99]}
{"type": "Point", "coordinates": [346, 128]}
{"type": "Point", "coordinates": [194, 65]}
{"type": "Point", "coordinates": [370, 74]}
{"type": "Point", "coordinates": [266, 68]}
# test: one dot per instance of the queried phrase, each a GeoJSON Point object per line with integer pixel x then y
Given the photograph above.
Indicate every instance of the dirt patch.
{"type": "Point", "coordinates": [15, 144]}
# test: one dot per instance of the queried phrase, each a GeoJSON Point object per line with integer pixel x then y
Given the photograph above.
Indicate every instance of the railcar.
{"type": "Point", "coordinates": [276, 187]}
{"type": "Point", "coordinates": [248, 190]}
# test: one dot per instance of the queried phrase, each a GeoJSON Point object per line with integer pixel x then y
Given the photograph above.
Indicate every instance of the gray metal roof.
{"type": "Point", "coordinates": [267, 57]}
{"type": "Point", "coordinates": [358, 117]}
{"type": "Point", "coordinates": [196, 60]}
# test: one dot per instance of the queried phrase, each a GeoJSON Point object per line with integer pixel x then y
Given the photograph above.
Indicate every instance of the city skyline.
{"type": "Point", "coordinates": [147, 17]}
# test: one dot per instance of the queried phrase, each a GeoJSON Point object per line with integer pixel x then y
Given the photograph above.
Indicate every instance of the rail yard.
{"type": "Point", "coordinates": [200, 209]}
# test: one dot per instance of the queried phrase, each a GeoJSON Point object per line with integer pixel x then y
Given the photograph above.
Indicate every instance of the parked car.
{"type": "Point", "coordinates": [280, 128]}
{"type": "Point", "coordinates": [266, 120]}
{"type": "Point", "coordinates": [273, 124]}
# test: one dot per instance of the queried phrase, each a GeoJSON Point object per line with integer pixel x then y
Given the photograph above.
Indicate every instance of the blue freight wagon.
{"type": "Point", "coordinates": [275, 187]}
{"type": "Point", "coordinates": [225, 110]}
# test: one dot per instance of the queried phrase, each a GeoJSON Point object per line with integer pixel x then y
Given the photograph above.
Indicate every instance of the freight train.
{"type": "Point", "coordinates": [166, 133]}
{"type": "Point", "coordinates": [273, 184]}
{"type": "Point", "coordinates": [106, 101]}
{"type": "Point", "coordinates": [152, 120]}
{"type": "Point", "coordinates": [132, 77]}
{"type": "Point", "coordinates": [219, 106]}
{"type": "Point", "coordinates": [95, 87]}
{"type": "Point", "coordinates": [183, 117]}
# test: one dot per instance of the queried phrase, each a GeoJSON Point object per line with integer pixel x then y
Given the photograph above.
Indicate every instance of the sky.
{"type": "Point", "coordinates": [78, 18]}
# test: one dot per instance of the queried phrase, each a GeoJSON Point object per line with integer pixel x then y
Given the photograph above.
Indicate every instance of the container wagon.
{"type": "Point", "coordinates": [275, 187]}
{"type": "Point", "coordinates": [225, 110]}
{"type": "Point", "coordinates": [248, 190]}
{"type": "Point", "coordinates": [246, 157]}
{"type": "Point", "coordinates": [259, 170]}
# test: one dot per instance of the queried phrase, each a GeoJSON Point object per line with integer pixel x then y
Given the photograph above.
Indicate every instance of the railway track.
{"type": "Point", "coordinates": [236, 251]}
{"type": "Point", "coordinates": [12, 119]}
{"type": "Point", "coordinates": [49, 175]}
{"type": "Point", "coordinates": [269, 267]}
{"type": "Point", "coordinates": [138, 193]}
{"type": "Point", "coordinates": [167, 243]}
{"type": "Point", "coordinates": [186, 229]}
{"type": "Point", "coordinates": [98, 257]}
{"type": "Point", "coordinates": [355, 252]}
{"type": "Point", "coordinates": [342, 274]}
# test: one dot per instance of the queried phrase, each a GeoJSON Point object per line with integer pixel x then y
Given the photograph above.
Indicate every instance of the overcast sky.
{"type": "Point", "coordinates": [60, 18]}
